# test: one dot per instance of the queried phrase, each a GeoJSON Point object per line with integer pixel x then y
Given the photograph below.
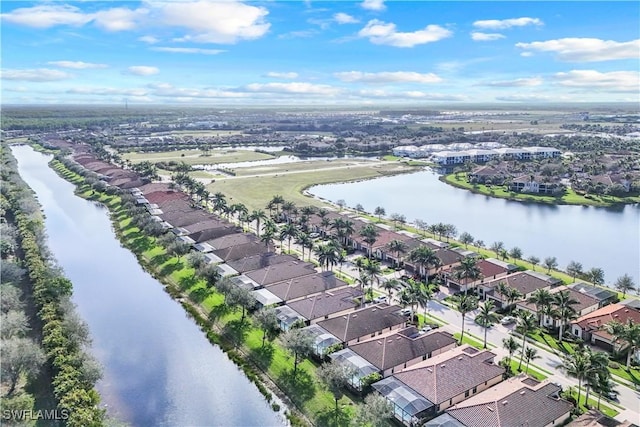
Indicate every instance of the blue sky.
{"type": "Point", "coordinates": [319, 53]}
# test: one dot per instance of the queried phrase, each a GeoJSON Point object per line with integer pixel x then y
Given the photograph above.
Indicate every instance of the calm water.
{"type": "Point", "coordinates": [159, 368]}
{"type": "Point", "coordinates": [596, 237]}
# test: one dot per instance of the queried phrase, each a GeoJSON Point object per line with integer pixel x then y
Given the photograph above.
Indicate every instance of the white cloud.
{"type": "Point", "coordinates": [527, 98]}
{"type": "Point", "coordinates": [46, 16]}
{"type": "Point", "coordinates": [614, 81]}
{"type": "Point", "coordinates": [166, 90]}
{"type": "Point", "coordinates": [302, 34]}
{"type": "Point", "coordinates": [77, 65]}
{"type": "Point", "coordinates": [379, 32]}
{"type": "Point", "coordinates": [148, 39]}
{"type": "Point", "coordinates": [434, 96]}
{"type": "Point", "coordinates": [107, 91]}
{"type": "Point", "coordinates": [503, 24]}
{"type": "Point", "coordinates": [278, 75]}
{"type": "Point", "coordinates": [373, 5]}
{"type": "Point", "coordinates": [524, 82]}
{"type": "Point", "coordinates": [215, 22]}
{"type": "Point", "coordinates": [119, 18]}
{"type": "Point", "coordinates": [292, 88]}
{"type": "Point", "coordinates": [344, 18]}
{"type": "Point", "coordinates": [188, 50]}
{"type": "Point", "coordinates": [35, 75]}
{"type": "Point", "coordinates": [586, 49]}
{"type": "Point", "coordinates": [387, 77]}
{"type": "Point", "coordinates": [143, 70]}
{"type": "Point", "coordinates": [485, 37]}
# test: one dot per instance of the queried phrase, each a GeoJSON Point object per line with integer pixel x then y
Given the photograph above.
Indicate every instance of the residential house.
{"type": "Point", "coordinates": [590, 327]}
{"type": "Point", "coordinates": [231, 240]}
{"type": "Point", "coordinates": [322, 340]}
{"type": "Point", "coordinates": [535, 184]}
{"type": "Point", "coordinates": [436, 384]}
{"type": "Point", "coordinates": [287, 317]}
{"type": "Point", "coordinates": [259, 261]}
{"type": "Point", "coordinates": [301, 286]}
{"type": "Point", "coordinates": [242, 251]}
{"type": "Point", "coordinates": [327, 304]}
{"type": "Point", "coordinates": [360, 367]}
{"type": "Point", "coordinates": [585, 304]}
{"type": "Point", "coordinates": [364, 323]}
{"type": "Point", "coordinates": [393, 352]}
{"type": "Point", "coordinates": [604, 296]}
{"type": "Point", "coordinates": [280, 272]}
{"type": "Point", "coordinates": [487, 175]}
{"type": "Point", "coordinates": [518, 401]}
{"type": "Point", "coordinates": [526, 282]}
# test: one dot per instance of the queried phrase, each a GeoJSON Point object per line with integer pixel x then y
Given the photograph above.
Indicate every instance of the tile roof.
{"type": "Point", "coordinates": [596, 292]}
{"type": "Point", "coordinates": [524, 281]}
{"type": "Point", "coordinates": [185, 218]}
{"type": "Point", "coordinates": [242, 251]}
{"type": "Point", "coordinates": [364, 322]}
{"type": "Point", "coordinates": [613, 312]}
{"type": "Point", "coordinates": [396, 349]}
{"type": "Point", "coordinates": [280, 272]}
{"type": "Point", "coordinates": [154, 186]}
{"type": "Point", "coordinates": [327, 303]}
{"type": "Point", "coordinates": [232, 240]}
{"type": "Point", "coordinates": [450, 374]}
{"type": "Point", "coordinates": [304, 285]}
{"type": "Point", "coordinates": [158, 197]}
{"type": "Point", "coordinates": [259, 261]}
{"type": "Point", "coordinates": [525, 405]}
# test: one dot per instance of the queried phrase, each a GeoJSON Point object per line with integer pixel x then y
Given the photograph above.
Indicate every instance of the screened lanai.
{"type": "Point", "coordinates": [360, 366]}
{"type": "Point", "coordinates": [408, 405]}
{"type": "Point", "coordinates": [322, 339]}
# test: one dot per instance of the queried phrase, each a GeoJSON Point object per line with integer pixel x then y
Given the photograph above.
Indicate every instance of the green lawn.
{"type": "Point", "coordinates": [533, 371]}
{"type": "Point", "coordinates": [569, 198]}
{"type": "Point", "coordinates": [472, 340]}
{"type": "Point", "coordinates": [552, 341]}
{"type": "Point", "coordinates": [593, 403]}
{"type": "Point", "coordinates": [632, 375]}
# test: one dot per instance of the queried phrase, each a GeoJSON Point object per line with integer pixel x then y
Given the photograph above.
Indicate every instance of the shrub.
{"type": "Point", "coordinates": [614, 365]}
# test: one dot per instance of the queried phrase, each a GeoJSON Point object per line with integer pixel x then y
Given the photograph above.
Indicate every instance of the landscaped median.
{"type": "Point", "coordinates": [224, 326]}
{"type": "Point", "coordinates": [570, 197]}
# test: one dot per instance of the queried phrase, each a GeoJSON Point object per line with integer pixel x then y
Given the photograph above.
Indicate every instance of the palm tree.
{"type": "Point", "coordinates": [373, 271]}
{"type": "Point", "coordinates": [534, 260]}
{"type": "Point", "coordinates": [624, 284]}
{"type": "Point", "coordinates": [326, 255]}
{"type": "Point", "coordinates": [497, 247]}
{"type": "Point", "coordinates": [527, 322]}
{"type": "Point", "coordinates": [398, 247]}
{"type": "Point", "coordinates": [468, 271]}
{"type": "Point", "coordinates": [466, 239]}
{"type": "Point", "coordinates": [267, 238]}
{"type": "Point", "coordinates": [425, 257]}
{"type": "Point", "coordinates": [511, 345]}
{"type": "Point", "coordinates": [305, 241]}
{"type": "Point", "coordinates": [604, 385]}
{"type": "Point", "coordinates": [577, 365]}
{"type": "Point", "coordinates": [464, 304]}
{"type": "Point", "coordinates": [288, 232]}
{"type": "Point", "coordinates": [257, 216]}
{"type": "Point", "coordinates": [531, 353]}
{"type": "Point", "coordinates": [598, 363]}
{"type": "Point", "coordinates": [424, 293]}
{"type": "Point", "coordinates": [486, 317]}
{"type": "Point", "coordinates": [369, 234]}
{"type": "Point", "coordinates": [542, 299]}
{"type": "Point", "coordinates": [277, 201]}
{"type": "Point", "coordinates": [563, 309]}
{"type": "Point", "coordinates": [628, 333]}
{"type": "Point", "coordinates": [390, 286]}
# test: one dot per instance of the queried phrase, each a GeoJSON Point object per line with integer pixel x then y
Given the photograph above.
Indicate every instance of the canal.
{"type": "Point", "coordinates": [159, 368]}
{"type": "Point", "coordinates": [608, 238]}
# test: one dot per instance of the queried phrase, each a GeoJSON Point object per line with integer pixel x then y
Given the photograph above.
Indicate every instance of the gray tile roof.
{"type": "Point", "coordinates": [241, 251]}
{"type": "Point", "coordinates": [259, 261]}
{"type": "Point", "coordinates": [364, 322]}
{"type": "Point", "coordinates": [394, 350]}
{"type": "Point", "coordinates": [234, 239]}
{"type": "Point", "coordinates": [303, 285]}
{"type": "Point", "coordinates": [185, 218]}
{"type": "Point", "coordinates": [447, 378]}
{"type": "Point", "coordinates": [523, 407]}
{"type": "Point", "coordinates": [327, 303]}
{"type": "Point", "coordinates": [524, 281]}
{"type": "Point", "coordinates": [280, 272]}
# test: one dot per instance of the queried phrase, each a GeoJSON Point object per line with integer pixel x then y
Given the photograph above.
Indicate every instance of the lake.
{"type": "Point", "coordinates": [608, 238]}
{"type": "Point", "coordinates": [159, 368]}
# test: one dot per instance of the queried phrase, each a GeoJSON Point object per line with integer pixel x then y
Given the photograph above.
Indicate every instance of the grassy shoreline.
{"type": "Point", "coordinates": [570, 198]}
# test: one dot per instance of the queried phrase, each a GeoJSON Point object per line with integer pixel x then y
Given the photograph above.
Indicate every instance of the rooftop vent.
{"type": "Point", "coordinates": [522, 392]}
{"type": "Point", "coordinates": [505, 402]}
{"type": "Point", "coordinates": [429, 369]}
{"type": "Point", "coordinates": [490, 408]}
{"type": "Point", "coordinates": [460, 358]}
{"type": "Point", "coordinates": [443, 365]}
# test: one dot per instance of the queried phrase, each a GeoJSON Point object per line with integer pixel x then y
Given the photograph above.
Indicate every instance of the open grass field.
{"type": "Point", "coordinates": [570, 197]}
{"type": "Point", "coordinates": [255, 192]}
{"type": "Point", "coordinates": [195, 157]}
{"type": "Point", "coordinates": [299, 166]}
